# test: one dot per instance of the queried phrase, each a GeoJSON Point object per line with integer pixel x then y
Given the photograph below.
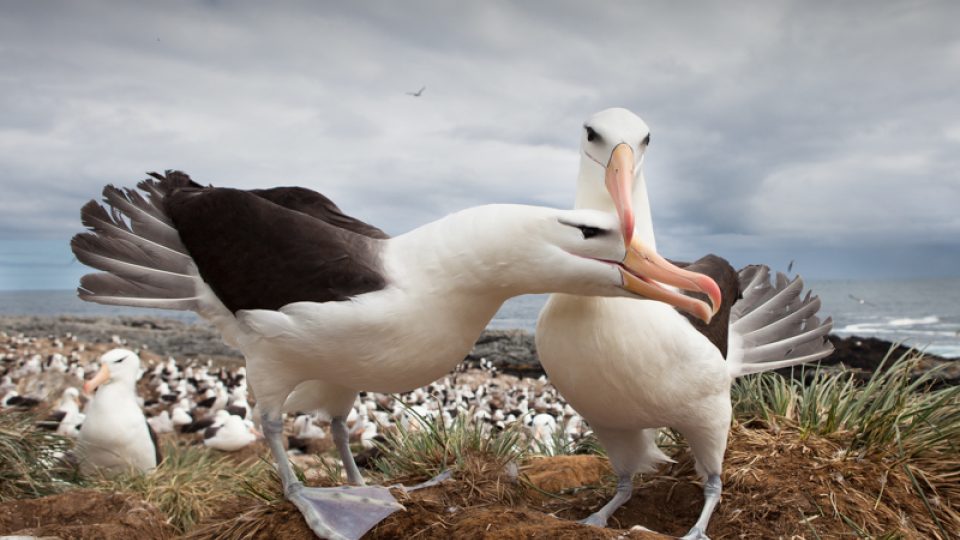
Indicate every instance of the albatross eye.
{"type": "Point", "coordinates": [590, 232]}
{"type": "Point", "coordinates": [587, 230]}
{"type": "Point", "coordinates": [646, 140]}
{"type": "Point", "coordinates": [592, 135]}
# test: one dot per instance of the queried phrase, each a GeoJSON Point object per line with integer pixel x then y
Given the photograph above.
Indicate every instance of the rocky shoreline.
{"type": "Point", "coordinates": [511, 351]}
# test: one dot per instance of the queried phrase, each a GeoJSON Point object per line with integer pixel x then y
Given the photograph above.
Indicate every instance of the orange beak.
{"type": "Point", "coordinates": [643, 270]}
{"type": "Point", "coordinates": [101, 377]}
{"type": "Point", "coordinates": [619, 181]}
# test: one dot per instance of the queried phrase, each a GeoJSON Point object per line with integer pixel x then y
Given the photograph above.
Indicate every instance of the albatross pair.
{"type": "Point", "coordinates": [323, 305]}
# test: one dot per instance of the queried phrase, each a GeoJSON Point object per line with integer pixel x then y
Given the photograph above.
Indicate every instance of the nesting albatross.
{"type": "Point", "coordinates": [631, 367]}
{"type": "Point", "coordinates": [308, 293]}
{"type": "Point", "coordinates": [115, 436]}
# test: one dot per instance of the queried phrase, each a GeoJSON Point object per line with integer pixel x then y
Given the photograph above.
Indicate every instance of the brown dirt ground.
{"type": "Point", "coordinates": [84, 515]}
{"type": "Point", "coordinates": [776, 485]}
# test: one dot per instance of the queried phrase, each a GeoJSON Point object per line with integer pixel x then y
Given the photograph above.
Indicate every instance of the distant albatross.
{"type": "Point", "coordinates": [115, 435]}
{"type": "Point", "coordinates": [308, 293]}
{"type": "Point", "coordinates": [631, 367]}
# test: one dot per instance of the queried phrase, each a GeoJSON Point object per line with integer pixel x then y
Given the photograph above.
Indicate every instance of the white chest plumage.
{"type": "Point", "coordinates": [114, 434]}
{"type": "Point", "coordinates": [627, 364]}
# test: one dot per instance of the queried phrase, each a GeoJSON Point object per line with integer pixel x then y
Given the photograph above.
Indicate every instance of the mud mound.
{"type": "Point", "coordinates": [84, 515]}
{"type": "Point", "coordinates": [563, 473]}
{"type": "Point", "coordinates": [776, 484]}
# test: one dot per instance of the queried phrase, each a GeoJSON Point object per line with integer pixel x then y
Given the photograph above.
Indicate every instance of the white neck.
{"type": "Point", "coordinates": [482, 252]}
{"type": "Point", "coordinates": [592, 194]}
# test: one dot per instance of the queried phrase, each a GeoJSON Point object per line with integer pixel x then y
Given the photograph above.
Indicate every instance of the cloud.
{"type": "Point", "coordinates": [785, 126]}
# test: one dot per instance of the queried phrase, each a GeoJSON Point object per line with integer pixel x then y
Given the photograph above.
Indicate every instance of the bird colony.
{"type": "Point", "coordinates": [197, 403]}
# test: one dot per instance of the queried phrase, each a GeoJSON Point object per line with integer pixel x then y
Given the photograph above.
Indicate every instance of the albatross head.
{"type": "Point", "coordinates": [612, 145]}
{"type": "Point", "coordinates": [115, 365]}
{"type": "Point", "coordinates": [583, 252]}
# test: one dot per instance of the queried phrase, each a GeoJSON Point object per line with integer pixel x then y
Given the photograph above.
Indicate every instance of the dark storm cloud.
{"type": "Point", "coordinates": [778, 127]}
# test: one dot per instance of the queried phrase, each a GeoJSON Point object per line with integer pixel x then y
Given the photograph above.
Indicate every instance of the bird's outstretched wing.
{"type": "Point", "coordinates": [252, 252]}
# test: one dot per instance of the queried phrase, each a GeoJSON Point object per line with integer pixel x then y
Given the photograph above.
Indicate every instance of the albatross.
{"type": "Point", "coordinates": [631, 367]}
{"type": "Point", "coordinates": [327, 305]}
{"type": "Point", "coordinates": [115, 435]}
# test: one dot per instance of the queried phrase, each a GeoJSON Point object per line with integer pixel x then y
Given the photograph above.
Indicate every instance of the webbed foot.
{"type": "Point", "coordinates": [345, 512]}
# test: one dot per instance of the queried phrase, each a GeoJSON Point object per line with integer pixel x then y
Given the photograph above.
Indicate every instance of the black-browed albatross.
{"type": "Point", "coordinates": [631, 367]}
{"type": "Point", "coordinates": [115, 436]}
{"type": "Point", "coordinates": [318, 300]}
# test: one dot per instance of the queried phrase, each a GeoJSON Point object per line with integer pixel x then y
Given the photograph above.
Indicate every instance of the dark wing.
{"type": "Point", "coordinates": [156, 443]}
{"type": "Point", "coordinates": [316, 205]}
{"type": "Point", "coordinates": [237, 410]}
{"type": "Point", "coordinates": [211, 432]}
{"type": "Point", "coordinates": [727, 279]}
{"type": "Point", "coordinates": [197, 425]}
{"type": "Point", "coordinates": [253, 252]}
{"type": "Point", "coordinates": [256, 254]}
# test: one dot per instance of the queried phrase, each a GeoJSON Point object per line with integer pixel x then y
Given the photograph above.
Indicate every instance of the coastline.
{"type": "Point", "coordinates": [511, 351]}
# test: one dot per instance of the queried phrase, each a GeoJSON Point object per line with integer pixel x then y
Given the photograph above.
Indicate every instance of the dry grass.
{"type": "Point", "coordinates": [778, 478]}
{"type": "Point", "coordinates": [30, 465]}
{"type": "Point", "coordinates": [429, 447]}
{"type": "Point", "coordinates": [192, 483]}
{"type": "Point", "coordinates": [908, 433]}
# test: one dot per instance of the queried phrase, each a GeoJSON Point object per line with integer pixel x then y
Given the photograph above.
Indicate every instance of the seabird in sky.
{"type": "Point", "coordinates": [115, 435]}
{"type": "Point", "coordinates": [308, 293]}
{"type": "Point", "coordinates": [418, 93]}
{"type": "Point", "coordinates": [632, 367]}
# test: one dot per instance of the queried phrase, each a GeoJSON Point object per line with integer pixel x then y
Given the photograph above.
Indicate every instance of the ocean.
{"type": "Point", "coordinates": [919, 313]}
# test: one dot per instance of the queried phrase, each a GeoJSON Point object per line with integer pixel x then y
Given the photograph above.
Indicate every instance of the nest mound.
{"type": "Point", "coordinates": [83, 514]}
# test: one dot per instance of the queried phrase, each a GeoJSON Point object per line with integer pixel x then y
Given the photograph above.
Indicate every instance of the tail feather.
{"type": "Point", "coordinates": [135, 244]}
{"type": "Point", "coordinates": [772, 326]}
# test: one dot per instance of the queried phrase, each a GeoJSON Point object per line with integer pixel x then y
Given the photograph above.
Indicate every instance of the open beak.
{"type": "Point", "coordinates": [101, 377]}
{"type": "Point", "coordinates": [619, 182]}
{"type": "Point", "coordinates": [643, 270]}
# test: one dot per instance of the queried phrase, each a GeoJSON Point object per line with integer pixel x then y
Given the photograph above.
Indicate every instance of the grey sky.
{"type": "Point", "coordinates": [828, 133]}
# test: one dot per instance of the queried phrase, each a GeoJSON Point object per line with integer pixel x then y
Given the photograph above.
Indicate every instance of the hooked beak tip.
{"type": "Point", "coordinates": [709, 287]}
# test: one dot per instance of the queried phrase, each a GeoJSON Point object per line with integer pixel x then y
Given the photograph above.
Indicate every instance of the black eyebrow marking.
{"type": "Point", "coordinates": [646, 140]}
{"type": "Point", "coordinates": [592, 134]}
{"type": "Point", "coordinates": [587, 230]}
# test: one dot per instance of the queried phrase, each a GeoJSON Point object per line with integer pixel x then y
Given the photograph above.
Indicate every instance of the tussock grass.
{"type": "Point", "coordinates": [428, 447]}
{"type": "Point", "coordinates": [30, 464]}
{"type": "Point", "coordinates": [193, 482]}
{"type": "Point", "coordinates": [894, 419]}
{"type": "Point", "coordinates": [484, 461]}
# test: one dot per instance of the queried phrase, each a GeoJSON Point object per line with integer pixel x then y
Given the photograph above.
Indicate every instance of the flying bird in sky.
{"type": "Point", "coordinates": [418, 93]}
